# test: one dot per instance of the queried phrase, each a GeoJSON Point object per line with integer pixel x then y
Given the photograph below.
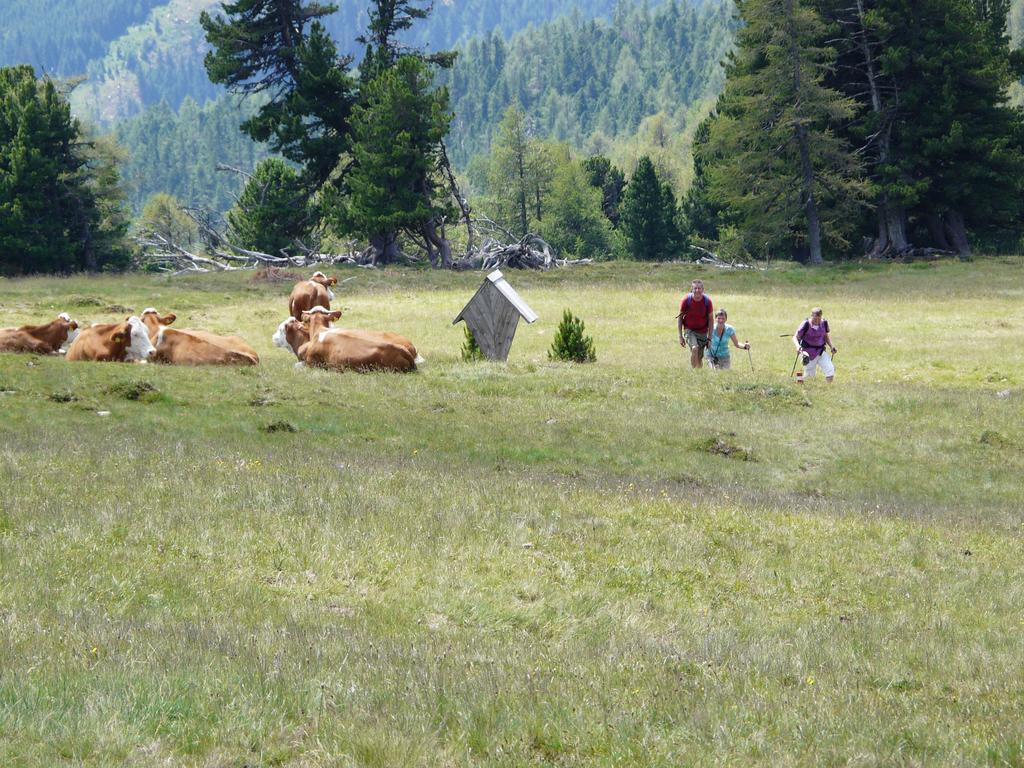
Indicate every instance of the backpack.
{"type": "Point", "coordinates": [805, 327]}
{"type": "Point", "coordinates": [689, 300]}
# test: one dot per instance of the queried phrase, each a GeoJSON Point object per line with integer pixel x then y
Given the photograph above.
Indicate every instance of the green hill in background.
{"type": "Point", "coordinates": [137, 53]}
{"type": "Point", "coordinates": [634, 84]}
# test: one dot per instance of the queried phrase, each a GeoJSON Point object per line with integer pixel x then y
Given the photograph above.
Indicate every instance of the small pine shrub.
{"type": "Point", "coordinates": [570, 344]}
{"type": "Point", "coordinates": [471, 351]}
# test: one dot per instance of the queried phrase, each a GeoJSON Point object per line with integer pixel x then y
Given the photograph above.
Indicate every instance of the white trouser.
{"type": "Point", "coordinates": [822, 361]}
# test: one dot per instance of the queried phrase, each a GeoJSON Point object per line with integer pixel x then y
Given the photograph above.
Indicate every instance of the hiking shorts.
{"type": "Point", "coordinates": [822, 361]}
{"type": "Point", "coordinates": [696, 340]}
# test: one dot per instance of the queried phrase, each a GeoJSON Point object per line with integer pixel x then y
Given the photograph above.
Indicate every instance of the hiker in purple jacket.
{"type": "Point", "coordinates": [811, 338]}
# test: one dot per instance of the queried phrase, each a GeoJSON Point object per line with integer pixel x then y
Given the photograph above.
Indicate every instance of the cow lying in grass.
{"type": "Point", "coordinates": [47, 339]}
{"type": "Point", "coordinates": [191, 347]}
{"type": "Point", "coordinates": [126, 341]}
{"type": "Point", "coordinates": [316, 344]}
{"type": "Point", "coordinates": [315, 292]}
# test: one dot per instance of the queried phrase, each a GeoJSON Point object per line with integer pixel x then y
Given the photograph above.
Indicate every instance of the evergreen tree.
{"type": "Point", "coordinates": [389, 19]}
{"type": "Point", "coordinates": [263, 46]}
{"type": "Point", "coordinates": [60, 197]}
{"type": "Point", "coordinates": [507, 181]}
{"type": "Point", "coordinates": [570, 344]}
{"type": "Point", "coordinates": [396, 146]}
{"type": "Point", "coordinates": [649, 216]}
{"type": "Point", "coordinates": [610, 180]}
{"type": "Point", "coordinates": [702, 214]}
{"type": "Point", "coordinates": [270, 214]}
{"type": "Point", "coordinates": [780, 168]}
{"type": "Point", "coordinates": [931, 79]}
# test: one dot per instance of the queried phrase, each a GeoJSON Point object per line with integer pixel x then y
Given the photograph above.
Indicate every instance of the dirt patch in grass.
{"type": "Point", "coordinates": [61, 397]}
{"type": "Point", "coordinates": [770, 393]}
{"type": "Point", "coordinates": [137, 391]}
{"type": "Point", "coordinates": [278, 426]}
{"type": "Point", "coordinates": [77, 300]}
{"type": "Point", "coordinates": [994, 439]}
{"type": "Point", "coordinates": [725, 445]}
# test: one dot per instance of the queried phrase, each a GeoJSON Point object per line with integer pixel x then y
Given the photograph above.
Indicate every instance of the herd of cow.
{"type": "Point", "coordinates": [307, 333]}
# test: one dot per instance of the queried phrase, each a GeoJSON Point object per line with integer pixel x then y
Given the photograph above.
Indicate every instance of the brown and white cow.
{"type": "Point", "coordinates": [316, 344]}
{"type": "Point", "coordinates": [123, 342]}
{"type": "Point", "coordinates": [315, 292]}
{"type": "Point", "coordinates": [191, 347]}
{"type": "Point", "coordinates": [47, 339]}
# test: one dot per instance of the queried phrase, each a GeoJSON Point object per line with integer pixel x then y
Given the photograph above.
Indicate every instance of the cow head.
{"type": "Point", "coordinates": [291, 335]}
{"type": "Point", "coordinates": [319, 320]}
{"type": "Point", "coordinates": [154, 322]}
{"type": "Point", "coordinates": [326, 282]}
{"type": "Point", "coordinates": [67, 328]}
{"type": "Point", "coordinates": [136, 336]}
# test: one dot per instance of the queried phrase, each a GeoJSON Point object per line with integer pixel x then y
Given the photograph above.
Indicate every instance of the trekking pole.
{"type": "Point", "coordinates": [751, 359]}
{"type": "Point", "coordinates": [795, 361]}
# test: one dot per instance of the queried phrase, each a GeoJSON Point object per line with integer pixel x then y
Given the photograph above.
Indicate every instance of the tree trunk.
{"type": "Point", "coordinates": [937, 230]}
{"type": "Point", "coordinates": [956, 231]}
{"type": "Point", "coordinates": [810, 205]}
{"type": "Point", "coordinates": [892, 219]}
{"type": "Point", "coordinates": [439, 248]}
{"type": "Point", "coordinates": [804, 142]}
{"type": "Point", "coordinates": [385, 247]}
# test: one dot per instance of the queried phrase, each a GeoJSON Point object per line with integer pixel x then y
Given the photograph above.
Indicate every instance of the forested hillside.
{"type": "Point", "coordinates": [139, 52]}
{"type": "Point", "coordinates": [581, 80]}
{"type": "Point", "coordinates": [177, 152]}
{"type": "Point", "coordinates": [62, 36]}
{"type": "Point", "coordinates": [630, 85]}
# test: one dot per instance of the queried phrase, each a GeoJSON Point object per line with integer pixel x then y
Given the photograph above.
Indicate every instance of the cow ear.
{"type": "Point", "coordinates": [334, 315]}
{"type": "Point", "coordinates": [74, 325]}
{"type": "Point", "coordinates": [169, 318]}
{"type": "Point", "coordinates": [333, 281]}
{"type": "Point", "coordinates": [306, 316]}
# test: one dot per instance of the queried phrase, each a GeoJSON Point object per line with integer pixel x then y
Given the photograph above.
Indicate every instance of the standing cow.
{"type": "Point", "coordinates": [315, 292]}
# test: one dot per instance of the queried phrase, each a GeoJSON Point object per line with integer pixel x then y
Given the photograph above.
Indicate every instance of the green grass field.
{"type": "Point", "coordinates": [523, 564]}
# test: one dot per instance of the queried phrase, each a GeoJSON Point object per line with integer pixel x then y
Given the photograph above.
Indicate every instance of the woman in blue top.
{"type": "Point", "coordinates": [718, 342]}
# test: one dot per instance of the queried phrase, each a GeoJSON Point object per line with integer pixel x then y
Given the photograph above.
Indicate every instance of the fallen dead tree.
{"type": "Point", "coordinates": [222, 255]}
{"type": "Point", "coordinates": [528, 252]}
{"type": "Point", "coordinates": [710, 259]}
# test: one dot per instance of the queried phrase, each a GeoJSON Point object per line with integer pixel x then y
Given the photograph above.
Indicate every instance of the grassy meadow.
{"type": "Point", "coordinates": [615, 564]}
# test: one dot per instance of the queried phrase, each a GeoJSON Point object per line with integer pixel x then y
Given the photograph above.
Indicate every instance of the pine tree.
{"type": "Point", "coordinates": [60, 196]}
{"type": "Point", "coordinates": [603, 175]}
{"type": "Point", "coordinates": [778, 165]}
{"type": "Point", "coordinates": [270, 214]}
{"type": "Point", "coordinates": [471, 351]}
{"type": "Point", "coordinates": [264, 46]}
{"type": "Point", "coordinates": [570, 343]}
{"type": "Point", "coordinates": [392, 185]}
{"type": "Point", "coordinates": [649, 213]}
{"type": "Point", "coordinates": [507, 181]}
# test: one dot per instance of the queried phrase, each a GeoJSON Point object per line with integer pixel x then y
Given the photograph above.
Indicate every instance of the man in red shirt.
{"type": "Point", "coordinates": [695, 315]}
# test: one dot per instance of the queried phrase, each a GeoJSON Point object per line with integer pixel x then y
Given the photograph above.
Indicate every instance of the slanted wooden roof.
{"type": "Point", "coordinates": [497, 280]}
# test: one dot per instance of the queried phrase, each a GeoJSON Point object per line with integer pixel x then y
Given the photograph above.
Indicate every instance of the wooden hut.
{"type": "Point", "coordinates": [493, 314]}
